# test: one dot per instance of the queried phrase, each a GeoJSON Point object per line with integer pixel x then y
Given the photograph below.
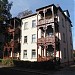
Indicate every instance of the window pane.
{"type": "Point", "coordinates": [25, 39]}
{"type": "Point", "coordinates": [33, 23]}
{"type": "Point", "coordinates": [62, 22]}
{"type": "Point", "coordinates": [25, 54]}
{"type": "Point", "coordinates": [34, 38]}
{"type": "Point", "coordinates": [65, 53]}
{"type": "Point", "coordinates": [33, 53]}
{"type": "Point", "coordinates": [63, 37]}
{"type": "Point", "coordinates": [25, 25]}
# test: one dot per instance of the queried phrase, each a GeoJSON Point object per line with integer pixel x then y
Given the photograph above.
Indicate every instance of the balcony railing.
{"type": "Point", "coordinates": [41, 21]}
{"type": "Point", "coordinates": [44, 58]}
{"type": "Point", "coordinates": [10, 30]}
{"type": "Point", "coordinates": [48, 39]}
{"type": "Point", "coordinates": [41, 40]}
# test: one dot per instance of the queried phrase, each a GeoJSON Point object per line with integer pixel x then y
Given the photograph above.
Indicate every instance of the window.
{"type": "Point", "coordinates": [25, 25]}
{"type": "Point", "coordinates": [70, 41]}
{"type": "Point", "coordinates": [34, 38]}
{"type": "Point", "coordinates": [25, 54]}
{"type": "Point", "coordinates": [64, 53]}
{"type": "Point", "coordinates": [33, 23]}
{"type": "Point", "coordinates": [25, 39]}
{"type": "Point", "coordinates": [70, 28]}
{"type": "Point", "coordinates": [33, 53]}
{"type": "Point", "coordinates": [50, 34]}
{"type": "Point", "coordinates": [62, 22]}
{"type": "Point", "coordinates": [63, 37]}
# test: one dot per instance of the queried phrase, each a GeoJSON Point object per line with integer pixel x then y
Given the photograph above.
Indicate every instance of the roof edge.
{"type": "Point", "coordinates": [29, 15]}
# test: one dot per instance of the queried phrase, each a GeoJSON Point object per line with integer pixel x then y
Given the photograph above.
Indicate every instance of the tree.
{"type": "Point", "coordinates": [24, 13]}
{"type": "Point", "coordinates": [5, 14]}
{"type": "Point", "coordinates": [5, 7]}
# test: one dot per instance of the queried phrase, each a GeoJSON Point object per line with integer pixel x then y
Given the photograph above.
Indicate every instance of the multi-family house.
{"type": "Point", "coordinates": [46, 35]}
{"type": "Point", "coordinates": [12, 39]}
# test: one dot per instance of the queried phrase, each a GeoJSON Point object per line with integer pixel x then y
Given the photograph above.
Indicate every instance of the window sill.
{"type": "Point", "coordinates": [25, 43]}
{"type": "Point", "coordinates": [34, 27]}
{"type": "Point", "coordinates": [33, 58]}
{"type": "Point", "coordinates": [26, 28]}
{"type": "Point", "coordinates": [33, 42]}
{"type": "Point", "coordinates": [25, 58]}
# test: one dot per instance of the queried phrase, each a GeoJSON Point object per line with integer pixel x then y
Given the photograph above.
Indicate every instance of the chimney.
{"type": "Point", "coordinates": [57, 5]}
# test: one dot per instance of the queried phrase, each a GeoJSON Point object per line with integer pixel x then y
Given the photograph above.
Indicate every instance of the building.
{"type": "Point", "coordinates": [46, 35]}
{"type": "Point", "coordinates": [12, 39]}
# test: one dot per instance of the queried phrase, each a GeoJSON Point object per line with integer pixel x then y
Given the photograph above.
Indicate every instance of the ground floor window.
{"type": "Point", "coordinates": [33, 53]}
{"type": "Point", "coordinates": [64, 53]}
{"type": "Point", "coordinates": [25, 54]}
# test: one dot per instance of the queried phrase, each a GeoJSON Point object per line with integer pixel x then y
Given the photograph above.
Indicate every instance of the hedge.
{"type": "Point", "coordinates": [35, 65]}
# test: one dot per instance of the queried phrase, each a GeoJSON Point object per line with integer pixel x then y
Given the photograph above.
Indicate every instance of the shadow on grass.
{"type": "Point", "coordinates": [45, 65]}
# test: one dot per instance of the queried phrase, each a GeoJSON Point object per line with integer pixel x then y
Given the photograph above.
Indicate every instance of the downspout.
{"type": "Point", "coordinates": [37, 36]}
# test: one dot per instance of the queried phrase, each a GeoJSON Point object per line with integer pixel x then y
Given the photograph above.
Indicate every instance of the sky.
{"type": "Point", "coordinates": [21, 5]}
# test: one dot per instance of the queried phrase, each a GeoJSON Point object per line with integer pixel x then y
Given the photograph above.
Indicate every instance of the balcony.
{"type": "Point", "coordinates": [42, 22]}
{"type": "Point", "coordinates": [11, 43]}
{"type": "Point", "coordinates": [48, 39]}
{"type": "Point", "coordinates": [10, 30]}
{"type": "Point", "coordinates": [41, 40]}
{"type": "Point", "coordinates": [44, 58]}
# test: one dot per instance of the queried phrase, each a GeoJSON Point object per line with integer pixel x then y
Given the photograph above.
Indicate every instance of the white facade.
{"type": "Point", "coordinates": [29, 32]}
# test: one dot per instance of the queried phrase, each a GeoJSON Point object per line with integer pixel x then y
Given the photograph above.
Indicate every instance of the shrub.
{"type": "Point", "coordinates": [45, 65]}
{"type": "Point", "coordinates": [7, 61]}
{"type": "Point", "coordinates": [0, 60]}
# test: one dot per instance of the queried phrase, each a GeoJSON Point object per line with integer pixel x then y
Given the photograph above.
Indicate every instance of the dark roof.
{"type": "Point", "coordinates": [64, 15]}
{"type": "Point", "coordinates": [59, 9]}
{"type": "Point", "coordinates": [29, 15]}
{"type": "Point", "coordinates": [67, 12]}
{"type": "Point", "coordinates": [45, 7]}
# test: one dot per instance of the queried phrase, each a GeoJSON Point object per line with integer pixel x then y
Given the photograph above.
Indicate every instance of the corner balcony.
{"type": "Point", "coordinates": [48, 39]}
{"type": "Point", "coordinates": [42, 22]}
{"type": "Point", "coordinates": [14, 43]}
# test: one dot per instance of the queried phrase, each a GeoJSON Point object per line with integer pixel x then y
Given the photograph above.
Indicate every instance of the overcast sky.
{"type": "Point", "coordinates": [21, 5]}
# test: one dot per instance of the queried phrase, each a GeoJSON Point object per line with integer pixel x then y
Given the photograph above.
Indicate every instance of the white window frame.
{"type": "Point", "coordinates": [25, 25]}
{"type": "Point", "coordinates": [25, 39]}
{"type": "Point", "coordinates": [24, 54]}
{"type": "Point", "coordinates": [33, 53]}
{"type": "Point", "coordinates": [33, 38]}
{"type": "Point", "coordinates": [33, 23]}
